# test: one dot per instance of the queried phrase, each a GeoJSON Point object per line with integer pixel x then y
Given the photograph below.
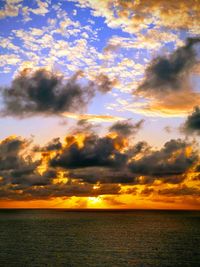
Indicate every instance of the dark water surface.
{"type": "Point", "coordinates": [134, 238]}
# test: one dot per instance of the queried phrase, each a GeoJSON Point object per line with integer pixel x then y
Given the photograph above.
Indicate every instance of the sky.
{"type": "Point", "coordinates": [99, 104]}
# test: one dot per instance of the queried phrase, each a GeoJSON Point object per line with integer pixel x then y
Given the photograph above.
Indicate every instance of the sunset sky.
{"type": "Point", "coordinates": [100, 104]}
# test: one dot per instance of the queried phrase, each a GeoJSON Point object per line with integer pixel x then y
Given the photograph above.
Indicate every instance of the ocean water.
{"type": "Point", "coordinates": [132, 238]}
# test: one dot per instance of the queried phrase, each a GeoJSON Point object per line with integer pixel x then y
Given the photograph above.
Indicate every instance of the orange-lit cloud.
{"type": "Point", "coordinates": [134, 16]}
{"type": "Point", "coordinates": [91, 171]}
{"type": "Point", "coordinates": [143, 58]}
{"type": "Point", "coordinates": [166, 86]}
{"type": "Point", "coordinates": [92, 117]}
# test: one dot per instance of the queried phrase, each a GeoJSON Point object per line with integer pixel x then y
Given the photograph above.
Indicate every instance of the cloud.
{"type": "Point", "coordinates": [166, 74]}
{"type": "Point", "coordinates": [95, 152]}
{"type": "Point", "coordinates": [103, 175]}
{"type": "Point", "coordinates": [192, 123]}
{"type": "Point", "coordinates": [43, 92]}
{"type": "Point", "coordinates": [17, 168]}
{"type": "Point", "coordinates": [147, 191]}
{"type": "Point", "coordinates": [11, 9]}
{"type": "Point", "coordinates": [111, 160]}
{"type": "Point", "coordinates": [55, 144]}
{"type": "Point", "coordinates": [105, 84]}
{"type": "Point", "coordinates": [182, 190]}
{"type": "Point", "coordinates": [26, 177]}
{"type": "Point", "coordinates": [137, 16]}
{"type": "Point", "coordinates": [170, 162]}
{"type": "Point", "coordinates": [42, 8]}
{"type": "Point", "coordinates": [20, 178]}
{"type": "Point", "coordinates": [92, 117]}
{"type": "Point", "coordinates": [153, 40]}
{"type": "Point", "coordinates": [9, 59]}
{"type": "Point", "coordinates": [113, 201]}
{"type": "Point", "coordinates": [9, 152]}
{"type": "Point", "coordinates": [58, 190]}
{"type": "Point", "coordinates": [174, 104]}
{"type": "Point", "coordinates": [91, 166]}
{"type": "Point", "coordinates": [126, 128]}
{"type": "Point", "coordinates": [166, 85]}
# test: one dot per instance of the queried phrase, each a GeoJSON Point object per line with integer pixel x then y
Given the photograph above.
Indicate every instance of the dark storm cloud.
{"type": "Point", "coordinates": [55, 144]}
{"type": "Point", "coordinates": [192, 123]}
{"type": "Point", "coordinates": [10, 149]}
{"type": "Point", "coordinates": [97, 161]}
{"type": "Point", "coordinates": [140, 147]}
{"type": "Point", "coordinates": [58, 190]}
{"type": "Point", "coordinates": [147, 191]}
{"type": "Point", "coordinates": [126, 128]}
{"type": "Point", "coordinates": [95, 152]}
{"type": "Point", "coordinates": [84, 126]}
{"type": "Point", "coordinates": [170, 162]}
{"type": "Point", "coordinates": [43, 92]}
{"type": "Point", "coordinates": [180, 191]}
{"type": "Point", "coordinates": [93, 175]}
{"type": "Point", "coordinates": [197, 169]}
{"type": "Point", "coordinates": [170, 73]}
{"type": "Point", "coordinates": [32, 177]}
{"type": "Point", "coordinates": [19, 169]}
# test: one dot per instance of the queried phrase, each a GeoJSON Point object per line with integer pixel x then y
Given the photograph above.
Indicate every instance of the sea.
{"type": "Point", "coordinates": [109, 238]}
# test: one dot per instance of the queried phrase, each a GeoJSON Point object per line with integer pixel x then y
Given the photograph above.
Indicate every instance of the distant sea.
{"type": "Point", "coordinates": [99, 238]}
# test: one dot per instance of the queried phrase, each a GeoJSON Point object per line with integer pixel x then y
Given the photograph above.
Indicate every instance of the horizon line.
{"type": "Point", "coordinates": [98, 209]}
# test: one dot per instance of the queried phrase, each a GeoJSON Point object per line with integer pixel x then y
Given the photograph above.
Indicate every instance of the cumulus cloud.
{"type": "Point", "coordinates": [91, 166]}
{"type": "Point", "coordinates": [153, 40]}
{"type": "Point", "coordinates": [126, 128]}
{"type": "Point", "coordinates": [10, 9]}
{"type": "Point", "coordinates": [19, 168]}
{"type": "Point", "coordinates": [20, 178]}
{"type": "Point", "coordinates": [86, 163]}
{"type": "Point", "coordinates": [101, 159]}
{"type": "Point", "coordinates": [166, 85]}
{"type": "Point", "coordinates": [96, 152]}
{"type": "Point", "coordinates": [104, 83]}
{"type": "Point", "coordinates": [55, 144]}
{"type": "Point", "coordinates": [170, 162]}
{"type": "Point", "coordinates": [95, 175]}
{"type": "Point", "coordinates": [135, 16]}
{"type": "Point", "coordinates": [192, 123]}
{"type": "Point", "coordinates": [166, 74]}
{"type": "Point", "coordinates": [43, 92]}
{"type": "Point", "coordinates": [10, 149]}
{"type": "Point", "coordinates": [180, 191]}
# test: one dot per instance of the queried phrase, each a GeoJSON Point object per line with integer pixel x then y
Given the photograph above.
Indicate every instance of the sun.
{"type": "Point", "coordinates": [94, 201]}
